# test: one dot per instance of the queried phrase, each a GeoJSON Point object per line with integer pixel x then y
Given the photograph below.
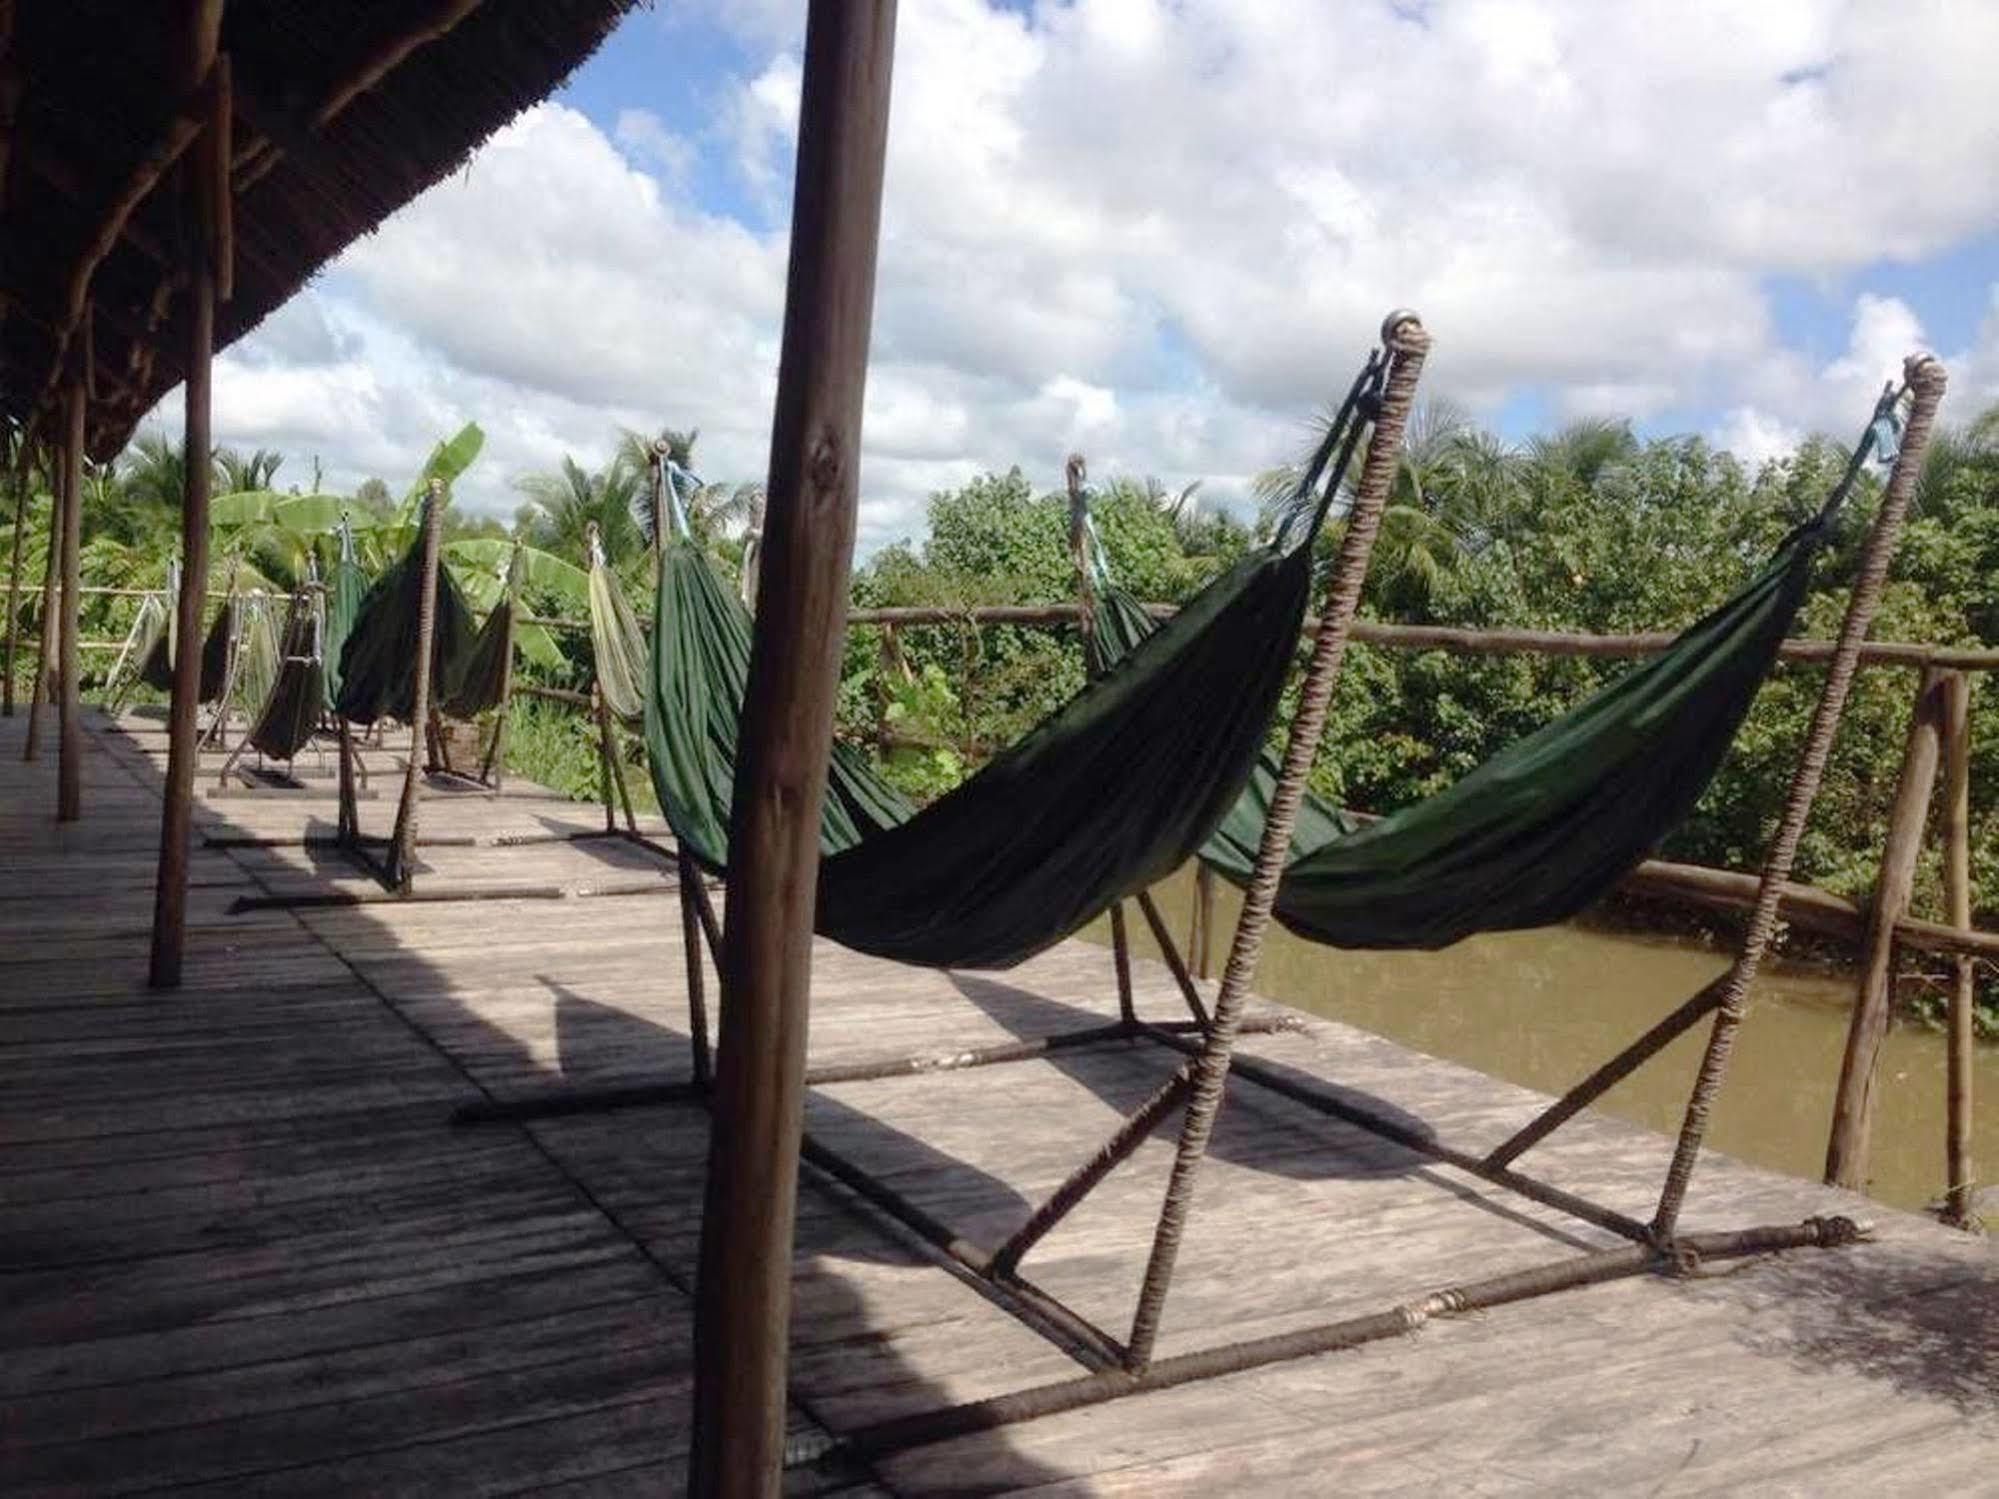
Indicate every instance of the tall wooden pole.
{"type": "Point", "coordinates": [1960, 1172]}
{"type": "Point", "coordinates": [69, 765]}
{"type": "Point", "coordinates": [45, 649]}
{"type": "Point", "coordinates": [24, 488]}
{"type": "Point", "coordinates": [743, 1303]}
{"type": "Point", "coordinates": [1853, 1105]}
{"type": "Point", "coordinates": [204, 29]}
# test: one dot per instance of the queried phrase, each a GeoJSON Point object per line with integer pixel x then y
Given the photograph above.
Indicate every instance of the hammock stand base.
{"type": "Point", "coordinates": [993, 1272]}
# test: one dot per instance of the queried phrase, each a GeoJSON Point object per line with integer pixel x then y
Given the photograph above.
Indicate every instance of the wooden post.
{"type": "Point", "coordinates": [1960, 1174]}
{"type": "Point", "coordinates": [24, 486]}
{"type": "Point", "coordinates": [45, 649]}
{"type": "Point", "coordinates": [743, 1299]}
{"type": "Point", "coordinates": [1073, 474]}
{"type": "Point", "coordinates": [1853, 1105]}
{"type": "Point", "coordinates": [204, 30]}
{"type": "Point", "coordinates": [402, 843]}
{"type": "Point", "coordinates": [69, 765]}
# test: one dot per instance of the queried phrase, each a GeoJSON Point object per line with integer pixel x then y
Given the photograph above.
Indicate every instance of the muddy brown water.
{"type": "Point", "coordinates": [1542, 1008]}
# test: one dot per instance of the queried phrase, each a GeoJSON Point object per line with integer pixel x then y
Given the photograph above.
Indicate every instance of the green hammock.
{"type": "Point", "coordinates": [378, 658]}
{"type": "Point", "coordinates": [1108, 795]}
{"type": "Point", "coordinates": [482, 673]}
{"type": "Point", "coordinates": [292, 712]}
{"type": "Point", "coordinates": [343, 602]}
{"type": "Point", "coordinates": [215, 652]}
{"type": "Point", "coordinates": [617, 644]}
{"type": "Point", "coordinates": [1546, 826]}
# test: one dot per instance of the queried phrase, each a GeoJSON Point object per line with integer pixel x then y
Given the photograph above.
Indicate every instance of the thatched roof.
{"type": "Point", "coordinates": [88, 95]}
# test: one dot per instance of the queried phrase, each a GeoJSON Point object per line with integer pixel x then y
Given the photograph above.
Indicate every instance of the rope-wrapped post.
{"type": "Point", "coordinates": [1926, 380]}
{"type": "Point", "coordinates": [402, 845]}
{"type": "Point", "coordinates": [1407, 345]}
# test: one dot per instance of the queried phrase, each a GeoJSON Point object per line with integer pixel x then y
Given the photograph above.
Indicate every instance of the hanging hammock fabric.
{"type": "Point", "coordinates": [1120, 623]}
{"type": "Point", "coordinates": [482, 672]}
{"type": "Point", "coordinates": [1542, 829]}
{"type": "Point", "coordinates": [618, 644]}
{"type": "Point", "coordinates": [215, 652]}
{"type": "Point", "coordinates": [147, 635]}
{"type": "Point", "coordinates": [1108, 795]}
{"type": "Point", "coordinates": [378, 658]}
{"type": "Point", "coordinates": [344, 592]}
{"type": "Point", "coordinates": [1546, 826]}
{"type": "Point", "coordinates": [292, 712]}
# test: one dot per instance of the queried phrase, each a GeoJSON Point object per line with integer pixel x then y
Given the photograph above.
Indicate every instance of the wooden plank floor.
{"type": "Point", "coordinates": [241, 1250]}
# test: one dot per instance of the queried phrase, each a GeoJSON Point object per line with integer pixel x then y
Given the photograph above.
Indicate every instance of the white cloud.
{"type": "Point", "coordinates": [1166, 233]}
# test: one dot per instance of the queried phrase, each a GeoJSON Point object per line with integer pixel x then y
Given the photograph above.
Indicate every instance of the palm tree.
{"type": "Point", "coordinates": [572, 499]}
{"type": "Point", "coordinates": [155, 472]}
{"type": "Point", "coordinates": [234, 473]}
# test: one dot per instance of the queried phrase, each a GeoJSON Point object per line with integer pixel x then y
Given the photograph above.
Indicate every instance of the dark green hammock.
{"type": "Point", "coordinates": [292, 712]}
{"type": "Point", "coordinates": [482, 673]}
{"type": "Point", "coordinates": [378, 658]}
{"type": "Point", "coordinates": [344, 592]}
{"type": "Point", "coordinates": [1546, 826]}
{"type": "Point", "coordinates": [1543, 828]}
{"type": "Point", "coordinates": [1108, 795]}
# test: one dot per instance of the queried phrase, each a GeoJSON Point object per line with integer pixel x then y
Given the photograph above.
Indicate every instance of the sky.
{"type": "Point", "coordinates": [1164, 232]}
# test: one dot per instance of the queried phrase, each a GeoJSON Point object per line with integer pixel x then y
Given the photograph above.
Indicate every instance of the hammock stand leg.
{"type": "Point", "coordinates": [1407, 345]}
{"type": "Point", "coordinates": [1175, 963]}
{"type": "Point", "coordinates": [401, 859]}
{"type": "Point", "coordinates": [1121, 963]}
{"type": "Point", "coordinates": [1926, 381]}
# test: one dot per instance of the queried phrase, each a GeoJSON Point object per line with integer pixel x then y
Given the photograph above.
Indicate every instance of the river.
{"type": "Point", "coordinates": [1542, 1008]}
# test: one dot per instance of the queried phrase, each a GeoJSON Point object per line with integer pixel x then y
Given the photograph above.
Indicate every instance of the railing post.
{"type": "Point", "coordinates": [1853, 1104]}
{"type": "Point", "coordinates": [1960, 1171]}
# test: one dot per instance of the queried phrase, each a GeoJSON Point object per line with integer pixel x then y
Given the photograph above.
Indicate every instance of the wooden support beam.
{"type": "Point", "coordinates": [1853, 1103]}
{"type": "Point", "coordinates": [24, 489]}
{"type": "Point", "coordinates": [1960, 1172]}
{"type": "Point", "coordinates": [69, 763]}
{"type": "Point", "coordinates": [743, 1298]}
{"type": "Point", "coordinates": [45, 648]}
{"type": "Point", "coordinates": [169, 937]}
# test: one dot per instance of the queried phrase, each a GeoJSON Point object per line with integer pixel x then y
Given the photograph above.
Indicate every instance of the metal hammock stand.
{"type": "Point", "coordinates": [308, 596]}
{"type": "Point", "coordinates": [1113, 1367]}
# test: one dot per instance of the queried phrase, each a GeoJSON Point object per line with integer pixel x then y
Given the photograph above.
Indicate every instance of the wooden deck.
{"type": "Point", "coordinates": [241, 1249]}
